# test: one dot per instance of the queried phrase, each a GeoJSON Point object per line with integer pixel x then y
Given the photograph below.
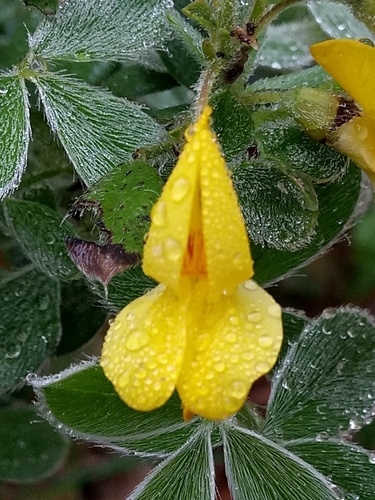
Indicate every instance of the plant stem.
{"type": "Point", "coordinates": [273, 13]}
{"type": "Point", "coordinates": [204, 88]}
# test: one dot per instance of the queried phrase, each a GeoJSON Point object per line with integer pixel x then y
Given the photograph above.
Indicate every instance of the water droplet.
{"type": "Point", "coordinates": [248, 356]}
{"type": "Point", "coordinates": [238, 389]}
{"type": "Point", "coordinates": [13, 354]}
{"type": "Point", "coordinates": [230, 337]}
{"type": "Point", "coordinates": [265, 341]}
{"type": "Point", "coordinates": [180, 189]}
{"type": "Point", "coordinates": [157, 250]}
{"type": "Point", "coordinates": [322, 436]}
{"type": "Point", "coordinates": [159, 214]}
{"type": "Point", "coordinates": [220, 367]}
{"type": "Point", "coordinates": [274, 310]}
{"type": "Point", "coordinates": [172, 249]}
{"type": "Point", "coordinates": [157, 386]}
{"type": "Point", "coordinates": [136, 340]}
{"type": "Point", "coordinates": [371, 458]}
{"type": "Point", "coordinates": [254, 317]}
{"type": "Point", "coordinates": [251, 285]}
{"type": "Point", "coordinates": [123, 379]}
{"type": "Point", "coordinates": [234, 320]}
{"type": "Point", "coordinates": [141, 374]}
{"type": "Point", "coordinates": [262, 367]}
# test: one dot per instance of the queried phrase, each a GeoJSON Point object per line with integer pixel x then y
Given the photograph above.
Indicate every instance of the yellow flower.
{"type": "Point", "coordinates": [207, 330]}
{"type": "Point", "coordinates": [352, 64]}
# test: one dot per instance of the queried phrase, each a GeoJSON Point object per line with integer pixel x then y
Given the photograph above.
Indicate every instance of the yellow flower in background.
{"type": "Point", "coordinates": [352, 64]}
{"type": "Point", "coordinates": [207, 330]}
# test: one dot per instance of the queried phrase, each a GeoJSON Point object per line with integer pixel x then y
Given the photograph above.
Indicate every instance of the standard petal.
{"type": "Point", "coordinates": [230, 344]}
{"type": "Point", "coordinates": [144, 347]}
{"type": "Point", "coordinates": [352, 64]}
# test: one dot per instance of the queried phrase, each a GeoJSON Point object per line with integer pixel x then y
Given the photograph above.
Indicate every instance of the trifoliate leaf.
{"type": "Point", "coordinates": [30, 325]}
{"type": "Point", "coordinates": [188, 473]}
{"type": "Point", "coordinates": [286, 46]}
{"type": "Point", "coordinates": [82, 402]}
{"type": "Point", "coordinates": [325, 386]}
{"type": "Point", "coordinates": [258, 469]}
{"type": "Point", "coordinates": [338, 20]}
{"type": "Point", "coordinates": [350, 467]}
{"type": "Point", "coordinates": [286, 140]}
{"type": "Point", "coordinates": [97, 130]}
{"type": "Point", "coordinates": [340, 204]}
{"type": "Point", "coordinates": [102, 30]}
{"type": "Point", "coordinates": [124, 198]}
{"type": "Point", "coordinates": [279, 205]}
{"type": "Point", "coordinates": [41, 233]}
{"type": "Point", "coordinates": [14, 132]}
{"type": "Point", "coordinates": [31, 449]}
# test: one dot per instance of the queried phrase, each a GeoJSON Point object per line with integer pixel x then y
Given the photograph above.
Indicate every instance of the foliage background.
{"type": "Point", "coordinates": [343, 275]}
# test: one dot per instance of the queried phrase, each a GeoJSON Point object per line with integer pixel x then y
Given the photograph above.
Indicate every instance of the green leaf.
{"type": "Point", "coordinates": [285, 140]}
{"type": "Point", "coordinates": [279, 205]}
{"type": "Point", "coordinates": [31, 450]}
{"type": "Point", "coordinates": [124, 288]}
{"type": "Point", "coordinates": [309, 77]}
{"type": "Point", "coordinates": [101, 30]}
{"type": "Point", "coordinates": [340, 204]}
{"type": "Point", "coordinates": [77, 113]}
{"type": "Point", "coordinates": [350, 467]}
{"type": "Point", "coordinates": [338, 20]}
{"type": "Point", "coordinates": [30, 325]}
{"type": "Point", "coordinates": [325, 385]}
{"type": "Point", "coordinates": [183, 55]}
{"type": "Point", "coordinates": [258, 469]}
{"type": "Point", "coordinates": [187, 474]}
{"type": "Point", "coordinates": [125, 197]}
{"type": "Point", "coordinates": [81, 317]}
{"type": "Point", "coordinates": [41, 231]}
{"type": "Point", "coordinates": [233, 125]}
{"type": "Point", "coordinates": [202, 13]}
{"type": "Point", "coordinates": [82, 402]}
{"type": "Point", "coordinates": [293, 324]}
{"type": "Point", "coordinates": [48, 7]}
{"type": "Point", "coordinates": [287, 45]}
{"type": "Point", "coordinates": [14, 132]}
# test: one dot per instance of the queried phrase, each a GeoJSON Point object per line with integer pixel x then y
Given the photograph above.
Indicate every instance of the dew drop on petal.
{"type": "Point", "coordinates": [156, 250]}
{"type": "Point", "coordinates": [234, 320]}
{"type": "Point", "coordinates": [265, 341]}
{"type": "Point", "coordinates": [159, 214]}
{"type": "Point", "coordinates": [254, 317]}
{"type": "Point", "coordinates": [262, 367]}
{"type": "Point", "coordinates": [251, 285]}
{"type": "Point", "coordinates": [230, 337]}
{"type": "Point", "coordinates": [274, 310]}
{"type": "Point", "coordinates": [123, 380]}
{"type": "Point", "coordinates": [238, 389]}
{"type": "Point", "coordinates": [219, 367]}
{"type": "Point", "coordinates": [172, 249]}
{"type": "Point", "coordinates": [180, 188]}
{"type": "Point", "coordinates": [136, 340]}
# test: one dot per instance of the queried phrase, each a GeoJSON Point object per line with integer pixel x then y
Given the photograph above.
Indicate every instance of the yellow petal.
{"type": "Point", "coordinates": [199, 194]}
{"type": "Point", "coordinates": [356, 139]}
{"type": "Point", "coordinates": [230, 344]}
{"type": "Point", "coordinates": [352, 64]}
{"type": "Point", "coordinates": [144, 347]}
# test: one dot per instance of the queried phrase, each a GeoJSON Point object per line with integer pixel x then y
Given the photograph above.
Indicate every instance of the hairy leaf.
{"type": "Point", "coordinates": [325, 386]}
{"type": "Point", "coordinates": [14, 132]}
{"type": "Point", "coordinates": [82, 402]}
{"type": "Point", "coordinates": [97, 130]}
{"type": "Point", "coordinates": [102, 30]}
{"type": "Point", "coordinates": [41, 234]}
{"type": "Point", "coordinates": [30, 325]}
{"type": "Point", "coordinates": [31, 450]}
